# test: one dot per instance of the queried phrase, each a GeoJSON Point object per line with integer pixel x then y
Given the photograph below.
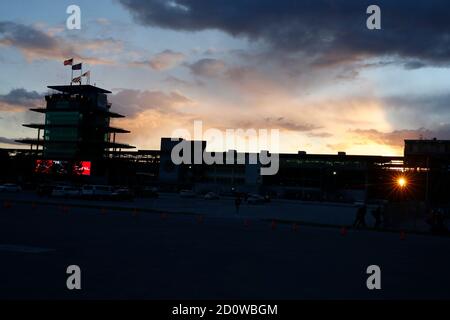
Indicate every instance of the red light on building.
{"type": "Point", "coordinates": [82, 168]}
{"type": "Point", "coordinates": [78, 168]}
{"type": "Point", "coordinates": [43, 166]}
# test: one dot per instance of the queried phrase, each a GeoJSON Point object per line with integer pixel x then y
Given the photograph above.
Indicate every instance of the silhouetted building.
{"type": "Point", "coordinates": [77, 131]}
{"type": "Point", "coordinates": [427, 153]}
{"type": "Point", "coordinates": [319, 177]}
{"type": "Point", "coordinates": [428, 164]}
{"type": "Point", "coordinates": [169, 173]}
{"type": "Point", "coordinates": [77, 124]}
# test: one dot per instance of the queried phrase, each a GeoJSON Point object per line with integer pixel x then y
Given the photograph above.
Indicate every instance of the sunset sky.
{"type": "Point", "coordinates": [308, 68]}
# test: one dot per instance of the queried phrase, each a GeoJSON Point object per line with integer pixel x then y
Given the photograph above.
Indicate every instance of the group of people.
{"type": "Point", "coordinates": [360, 220]}
{"type": "Point", "coordinates": [436, 217]}
{"type": "Point", "coordinates": [436, 220]}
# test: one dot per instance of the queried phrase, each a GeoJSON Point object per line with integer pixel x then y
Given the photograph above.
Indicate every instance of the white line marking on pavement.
{"type": "Point", "coordinates": [23, 249]}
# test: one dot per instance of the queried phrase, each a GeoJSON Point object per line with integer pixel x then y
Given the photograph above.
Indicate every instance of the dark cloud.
{"type": "Point", "coordinates": [411, 65]}
{"type": "Point", "coordinates": [433, 103]}
{"type": "Point", "coordinates": [177, 82]}
{"type": "Point", "coordinates": [37, 44]}
{"type": "Point", "coordinates": [418, 110]}
{"type": "Point", "coordinates": [333, 31]}
{"type": "Point", "coordinates": [396, 138]}
{"type": "Point", "coordinates": [164, 60]}
{"type": "Point", "coordinates": [290, 125]}
{"type": "Point", "coordinates": [132, 102]}
{"type": "Point", "coordinates": [207, 67]}
{"type": "Point", "coordinates": [25, 36]}
{"type": "Point", "coordinates": [280, 123]}
{"type": "Point", "coordinates": [10, 141]}
{"type": "Point", "coordinates": [20, 99]}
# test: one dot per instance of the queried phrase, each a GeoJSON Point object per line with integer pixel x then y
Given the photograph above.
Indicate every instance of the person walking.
{"type": "Point", "coordinates": [377, 215]}
{"type": "Point", "coordinates": [360, 220]}
{"type": "Point", "coordinates": [237, 203]}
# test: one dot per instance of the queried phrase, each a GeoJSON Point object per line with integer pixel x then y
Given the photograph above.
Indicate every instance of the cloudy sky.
{"type": "Point", "coordinates": [308, 68]}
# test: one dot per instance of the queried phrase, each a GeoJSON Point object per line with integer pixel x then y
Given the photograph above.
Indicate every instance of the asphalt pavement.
{"type": "Point", "coordinates": [128, 254]}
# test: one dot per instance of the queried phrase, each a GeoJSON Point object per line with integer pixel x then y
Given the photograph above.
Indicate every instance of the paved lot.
{"type": "Point", "coordinates": [338, 214]}
{"type": "Point", "coordinates": [315, 213]}
{"type": "Point", "coordinates": [143, 256]}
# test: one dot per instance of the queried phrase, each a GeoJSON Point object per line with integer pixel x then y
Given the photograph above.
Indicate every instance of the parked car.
{"type": "Point", "coordinates": [122, 194]}
{"type": "Point", "coordinates": [96, 192]}
{"type": "Point", "coordinates": [211, 196]}
{"type": "Point", "coordinates": [150, 192]}
{"type": "Point", "coordinates": [229, 194]}
{"type": "Point", "coordinates": [66, 192]}
{"type": "Point", "coordinates": [45, 190]}
{"type": "Point", "coordinates": [267, 198]}
{"type": "Point", "coordinates": [187, 194]}
{"type": "Point", "coordinates": [10, 187]}
{"type": "Point", "coordinates": [28, 186]}
{"type": "Point", "coordinates": [255, 199]}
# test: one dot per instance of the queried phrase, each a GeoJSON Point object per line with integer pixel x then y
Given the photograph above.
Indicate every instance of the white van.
{"type": "Point", "coordinates": [96, 191]}
{"type": "Point", "coordinates": [65, 191]}
{"type": "Point", "coordinates": [10, 187]}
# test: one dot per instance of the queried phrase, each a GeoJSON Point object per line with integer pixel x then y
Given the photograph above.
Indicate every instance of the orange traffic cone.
{"type": "Point", "coordinates": [273, 225]}
{"type": "Point", "coordinates": [343, 231]}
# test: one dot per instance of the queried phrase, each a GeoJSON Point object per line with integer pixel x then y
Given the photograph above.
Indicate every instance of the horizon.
{"type": "Point", "coordinates": [225, 158]}
{"type": "Point", "coordinates": [349, 89]}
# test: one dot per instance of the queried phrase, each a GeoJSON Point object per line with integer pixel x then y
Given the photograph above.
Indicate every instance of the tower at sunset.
{"type": "Point", "coordinates": [77, 124]}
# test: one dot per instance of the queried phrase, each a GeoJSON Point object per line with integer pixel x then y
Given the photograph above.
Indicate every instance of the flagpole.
{"type": "Point", "coordinates": [70, 63]}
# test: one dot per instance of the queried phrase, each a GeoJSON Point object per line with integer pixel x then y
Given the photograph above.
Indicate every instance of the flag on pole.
{"type": "Point", "coordinates": [86, 74]}
{"type": "Point", "coordinates": [77, 80]}
{"type": "Point", "coordinates": [77, 66]}
{"type": "Point", "coordinates": [68, 62]}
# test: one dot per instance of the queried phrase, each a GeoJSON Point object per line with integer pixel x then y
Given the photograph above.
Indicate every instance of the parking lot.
{"type": "Point", "coordinates": [316, 213]}
{"type": "Point", "coordinates": [127, 254]}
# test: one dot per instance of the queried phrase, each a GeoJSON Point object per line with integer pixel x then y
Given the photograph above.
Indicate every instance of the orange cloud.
{"type": "Point", "coordinates": [34, 44]}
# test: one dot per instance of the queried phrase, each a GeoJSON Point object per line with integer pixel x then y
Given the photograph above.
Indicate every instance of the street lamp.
{"type": "Point", "coordinates": [402, 182]}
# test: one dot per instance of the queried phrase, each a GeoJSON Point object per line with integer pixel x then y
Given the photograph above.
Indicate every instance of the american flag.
{"type": "Point", "coordinates": [78, 66]}
{"type": "Point", "coordinates": [68, 62]}
{"type": "Point", "coordinates": [77, 79]}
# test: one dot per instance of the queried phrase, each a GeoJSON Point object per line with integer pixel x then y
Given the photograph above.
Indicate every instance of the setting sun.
{"type": "Point", "coordinates": [402, 182]}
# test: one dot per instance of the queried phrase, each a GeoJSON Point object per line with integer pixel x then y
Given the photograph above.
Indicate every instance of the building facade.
{"type": "Point", "coordinates": [77, 139]}
{"type": "Point", "coordinates": [76, 127]}
{"type": "Point", "coordinates": [428, 164]}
